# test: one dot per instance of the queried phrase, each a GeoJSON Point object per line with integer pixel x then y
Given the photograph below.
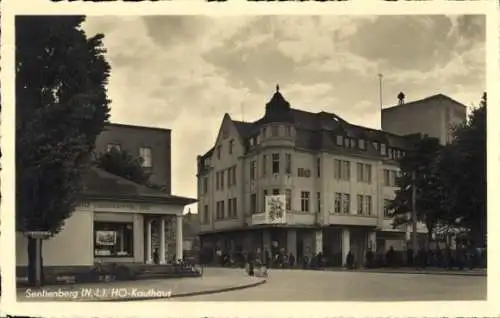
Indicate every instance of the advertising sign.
{"type": "Point", "coordinates": [105, 238]}
{"type": "Point", "coordinates": [275, 209]}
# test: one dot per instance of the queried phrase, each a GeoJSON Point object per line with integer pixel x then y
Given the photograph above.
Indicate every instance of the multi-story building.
{"type": "Point", "coordinates": [150, 144]}
{"type": "Point", "coordinates": [336, 177]}
{"type": "Point", "coordinates": [435, 116]}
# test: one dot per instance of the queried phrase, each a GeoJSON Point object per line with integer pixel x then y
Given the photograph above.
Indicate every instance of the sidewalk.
{"type": "Point", "coordinates": [428, 271]}
{"type": "Point", "coordinates": [141, 289]}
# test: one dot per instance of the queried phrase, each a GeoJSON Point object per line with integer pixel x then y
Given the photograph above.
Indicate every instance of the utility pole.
{"type": "Point", "coordinates": [380, 76]}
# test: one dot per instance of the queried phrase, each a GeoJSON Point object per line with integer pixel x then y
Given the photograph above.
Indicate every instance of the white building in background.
{"type": "Point", "coordinates": [336, 178]}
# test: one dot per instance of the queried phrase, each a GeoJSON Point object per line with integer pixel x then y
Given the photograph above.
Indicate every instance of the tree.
{"type": "Point", "coordinates": [418, 169]}
{"type": "Point", "coordinates": [123, 164]}
{"type": "Point", "coordinates": [463, 165]}
{"type": "Point", "coordinates": [61, 107]}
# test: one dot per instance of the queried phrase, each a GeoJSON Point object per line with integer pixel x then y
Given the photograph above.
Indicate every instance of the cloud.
{"type": "Point", "coordinates": [185, 72]}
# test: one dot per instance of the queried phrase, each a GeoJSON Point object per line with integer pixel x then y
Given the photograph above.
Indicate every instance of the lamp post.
{"type": "Point", "coordinates": [38, 236]}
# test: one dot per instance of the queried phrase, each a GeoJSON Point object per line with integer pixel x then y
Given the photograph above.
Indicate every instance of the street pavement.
{"type": "Point", "coordinates": [309, 285]}
{"type": "Point", "coordinates": [213, 280]}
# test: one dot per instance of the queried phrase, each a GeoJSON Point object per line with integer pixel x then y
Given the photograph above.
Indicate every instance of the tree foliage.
{"type": "Point", "coordinates": [123, 164]}
{"type": "Point", "coordinates": [61, 107]}
{"type": "Point", "coordinates": [418, 170]}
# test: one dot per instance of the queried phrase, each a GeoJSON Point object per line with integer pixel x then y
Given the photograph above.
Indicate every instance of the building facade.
{"type": "Point", "coordinates": [152, 145]}
{"type": "Point", "coordinates": [435, 116]}
{"type": "Point", "coordinates": [336, 178]}
{"type": "Point", "coordinates": [117, 220]}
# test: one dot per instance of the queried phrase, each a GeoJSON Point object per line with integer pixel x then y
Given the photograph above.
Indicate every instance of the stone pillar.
{"type": "Point", "coordinates": [346, 244]}
{"type": "Point", "coordinates": [318, 241]}
{"type": "Point", "coordinates": [178, 238]}
{"type": "Point", "coordinates": [372, 241]}
{"type": "Point", "coordinates": [291, 242]}
{"type": "Point", "coordinates": [149, 259]}
{"type": "Point", "coordinates": [162, 241]}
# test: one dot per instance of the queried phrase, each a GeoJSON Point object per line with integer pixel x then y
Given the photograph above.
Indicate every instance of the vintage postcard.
{"type": "Point", "coordinates": [242, 159]}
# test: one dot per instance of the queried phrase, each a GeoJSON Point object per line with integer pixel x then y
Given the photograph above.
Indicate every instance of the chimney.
{"type": "Point", "coordinates": [401, 98]}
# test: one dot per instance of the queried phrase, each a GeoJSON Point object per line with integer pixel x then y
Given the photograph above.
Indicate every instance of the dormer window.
{"type": "Point", "coordinates": [376, 145]}
{"type": "Point", "coordinates": [339, 140]}
{"type": "Point", "coordinates": [391, 153]}
{"type": "Point", "coordinates": [264, 132]}
{"type": "Point", "coordinates": [274, 131]}
{"type": "Point", "coordinates": [219, 148]}
{"type": "Point", "coordinates": [251, 141]}
{"type": "Point", "coordinates": [362, 144]}
{"type": "Point", "coordinates": [346, 142]}
{"type": "Point", "coordinates": [353, 143]}
{"type": "Point", "coordinates": [288, 130]}
{"type": "Point", "coordinates": [383, 150]}
{"type": "Point", "coordinates": [257, 139]}
{"type": "Point", "coordinates": [231, 146]}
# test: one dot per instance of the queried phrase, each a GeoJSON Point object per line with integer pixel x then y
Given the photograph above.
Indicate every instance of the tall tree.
{"type": "Point", "coordinates": [123, 164]}
{"type": "Point", "coordinates": [61, 107]}
{"type": "Point", "coordinates": [463, 165]}
{"type": "Point", "coordinates": [418, 170]}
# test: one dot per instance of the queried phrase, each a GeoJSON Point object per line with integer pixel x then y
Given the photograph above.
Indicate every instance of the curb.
{"type": "Point", "coordinates": [455, 273]}
{"type": "Point", "coordinates": [189, 294]}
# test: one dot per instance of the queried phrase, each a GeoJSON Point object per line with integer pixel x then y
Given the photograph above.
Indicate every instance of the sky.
{"type": "Point", "coordinates": [185, 72]}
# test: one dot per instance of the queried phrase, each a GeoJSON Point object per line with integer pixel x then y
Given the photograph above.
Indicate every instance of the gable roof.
{"type": "Point", "coordinates": [100, 184]}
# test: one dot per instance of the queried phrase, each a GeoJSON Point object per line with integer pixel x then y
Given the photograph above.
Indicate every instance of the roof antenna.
{"type": "Point", "coordinates": [277, 88]}
{"type": "Point", "coordinates": [242, 111]}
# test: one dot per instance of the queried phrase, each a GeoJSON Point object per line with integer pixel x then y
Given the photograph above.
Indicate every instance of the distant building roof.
{"type": "Point", "coordinates": [100, 184]}
{"type": "Point", "coordinates": [317, 131]}
{"type": "Point", "coordinates": [423, 101]}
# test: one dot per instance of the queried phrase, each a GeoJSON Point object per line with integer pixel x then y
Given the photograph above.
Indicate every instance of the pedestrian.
{"type": "Point", "coordinates": [389, 257]}
{"type": "Point", "coordinates": [291, 259]}
{"type": "Point", "coordinates": [350, 260]}
{"type": "Point", "coordinates": [369, 258]}
{"type": "Point", "coordinates": [156, 256]}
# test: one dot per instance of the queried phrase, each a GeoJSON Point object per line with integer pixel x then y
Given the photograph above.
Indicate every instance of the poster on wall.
{"type": "Point", "coordinates": [275, 209]}
{"type": "Point", "coordinates": [105, 238]}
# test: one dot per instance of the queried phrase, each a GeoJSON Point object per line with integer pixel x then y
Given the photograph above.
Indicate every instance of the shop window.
{"type": "Point", "coordinates": [113, 239]}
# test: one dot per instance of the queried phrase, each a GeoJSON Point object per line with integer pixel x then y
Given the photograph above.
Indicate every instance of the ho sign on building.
{"type": "Point", "coordinates": [274, 213]}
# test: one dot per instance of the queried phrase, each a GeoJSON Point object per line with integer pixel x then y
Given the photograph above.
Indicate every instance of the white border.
{"type": "Point", "coordinates": [225, 309]}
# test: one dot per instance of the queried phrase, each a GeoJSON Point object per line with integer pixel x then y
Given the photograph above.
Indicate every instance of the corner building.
{"type": "Point", "coordinates": [336, 177]}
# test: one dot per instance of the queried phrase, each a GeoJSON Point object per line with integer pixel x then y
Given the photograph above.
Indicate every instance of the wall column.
{"type": "Point", "coordinates": [346, 244]}
{"type": "Point", "coordinates": [162, 241]}
{"type": "Point", "coordinates": [318, 241]}
{"type": "Point", "coordinates": [149, 259]}
{"type": "Point", "coordinates": [178, 239]}
{"type": "Point", "coordinates": [291, 242]}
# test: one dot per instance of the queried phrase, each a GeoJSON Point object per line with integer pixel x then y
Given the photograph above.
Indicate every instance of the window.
{"type": "Point", "coordinates": [338, 202]}
{"type": "Point", "coordinates": [217, 180]}
{"type": "Point", "coordinates": [387, 211]}
{"type": "Point", "coordinates": [276, 191]}
{"type": "Point", "coordinates": [276, 162]}
{"type": "Point", "coordinates": [391, 153]}
{"type": "Point", "coordinates": [253, 203]}
{"type": "Point", "coordinates": [264, 195]}
{"type": "Point", "coordinates": [205, 214]}
{"type": "Point", "coordinates": [288, 199]}
{"type": "Point", "coordinates": [231, 207]}
{"type": "Point", "coordinates": [392, 179]}
{"type": "Point", "coordinates": [383, 149]}
{"type": "Point", "coordinates": [318, 167]}
{"type": "Point", "coordinates": [219, 213]}
{"type": "Point", "coordinates": [346, 201]}
{"type": "Point", "coordinates": [113, 239]}
{"type": "Point", "coordinates": [110, 147]}
{"type": "Point", "coordinates": [264, 165]}
{"type": "Point", "coordinates": [304, 201]}
{"type": "Point", "coordinates": [235, 207]}
{"type": "Point", "coordinates": [253, 167]}
{"type": "Point", "coordinates": [288, 163]}
{"type": "Point", "coordinates": [229, 176]}
{"type": "Point", "coordinates": [274, 131]}
{"type": "Point", "coordinates": [219, 148]}
{"type": "Point", "coordinates": [353, 143]}
{"type": "Point", "coordinates": [318, 202]}
{"type": "Point", "coordinates": [234, 176]}
{"type": "Point", "coordinates": [368, 173]}
{"type": "Point", "coordinates": [339, 140]}
{"type": "Point", "coordinates": [360, 204]}
{"type": "Point", "coordinates": [222, 208]}
{"type": "Point", "coordinates": [346, 142]}
{"type": "Point", "coordinates": [386, 177]}
{"type": "Point", "coordinates": [231, 146]}
{"type": "Point", "coordinates": [146, 157]}
{"type": "Point", "coordinates": [337, 169]}
{"type": "Point", "coordinates": [376, 145]}
{"type": "Point", "coordinates": [359, 171]}
{"type": "Point", "coordinates": [368, 205]}
{"type": "Point", "coordinates": [205, 184]}
{"type": "Point", "coordinates": [222, 179]}
{"type": "Point", "coordinates": [346, 170]}
{"type": "Point", "coordinates": [303, 173]}
{"type": "Point", "coordinates": [362, 144]}
{"type": "Point", "coordinates": [264, 131]}
{"type": "Point", "coordinates": [288, 131]}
